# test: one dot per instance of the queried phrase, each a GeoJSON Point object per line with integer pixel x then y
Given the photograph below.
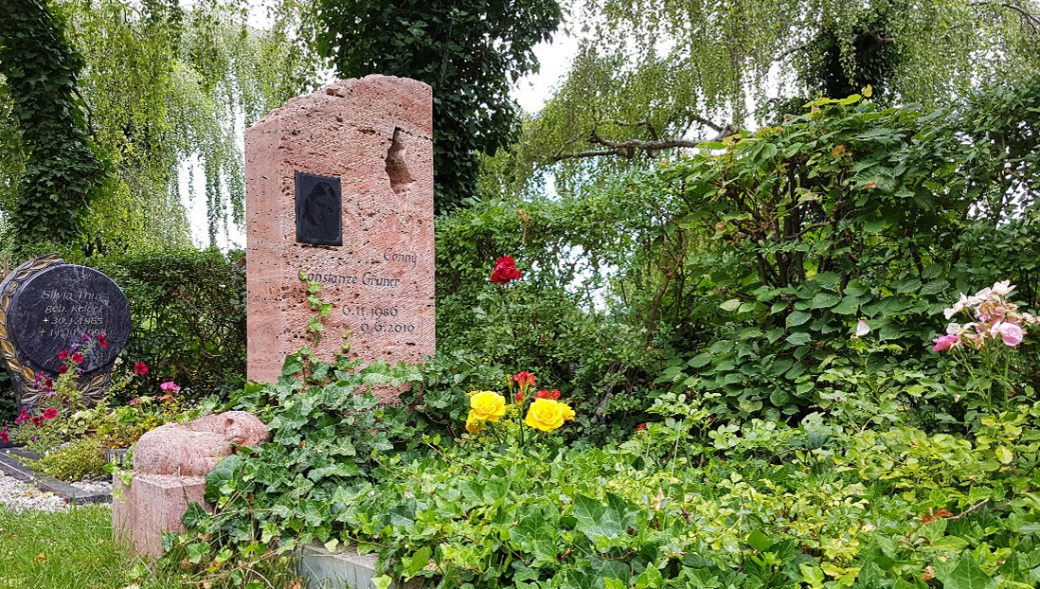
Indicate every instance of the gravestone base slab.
{"type": "Point", "coordinates": [340, 569]}
{"type": "Point", "coordinates": [151, 506]}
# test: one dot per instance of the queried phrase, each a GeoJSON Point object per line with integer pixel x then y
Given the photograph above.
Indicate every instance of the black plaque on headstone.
{"type": "Point", "coordinates": [48, 306]}
{"type": "Point", "coordinates": [319, 210]}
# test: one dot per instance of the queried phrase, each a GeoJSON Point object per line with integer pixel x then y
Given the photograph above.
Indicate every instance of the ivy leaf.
{"type": "Point", "coordinates": [966, 575]}
{"type": "Point", "coordinates": [597, 520]}
{"type": "Point", "coordinates": [417, 561]}
{"type": "Point", "coordinates": [650, 578]}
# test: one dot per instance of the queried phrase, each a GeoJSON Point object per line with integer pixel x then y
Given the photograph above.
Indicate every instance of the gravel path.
{"type": "Point", "coordinates": [20, 496]}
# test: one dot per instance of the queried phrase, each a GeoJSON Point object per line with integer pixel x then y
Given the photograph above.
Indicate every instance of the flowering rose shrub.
{"type": "Point", "coordinates": [544, 410]}
{"type": "Point", "coordinates": [55, 429]}
{"type": "Point", "coordinates": [985, 347]}
{"type": "Point", "coordinates": [505, 271]}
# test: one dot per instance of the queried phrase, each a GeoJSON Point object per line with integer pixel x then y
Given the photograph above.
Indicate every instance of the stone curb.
{"type": "Point", "coordinates": [12, 465]}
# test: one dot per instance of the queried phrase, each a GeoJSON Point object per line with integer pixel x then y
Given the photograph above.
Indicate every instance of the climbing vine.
{"type": "Point", "coordinates": [166, 90]}
{"type": "Point", "coordinates": [61, 168]}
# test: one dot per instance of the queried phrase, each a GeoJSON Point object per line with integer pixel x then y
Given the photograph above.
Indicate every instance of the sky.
{"type": "Point", "coordinates": [531, 92]}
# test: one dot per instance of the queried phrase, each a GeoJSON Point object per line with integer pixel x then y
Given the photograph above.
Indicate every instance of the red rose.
{"type": "Point", "coordinates": [63, 369]}
{"type": "Point", "coordinates": [141, 368]}
{"type": "Point", "coordinates": [63, 355]}
{"type": "Point", "coordinates": [505, 271]}
{"type": "Point", "coordinates": [102, 340]}
{"type": "Point", "coordinates": [77, 358]}
{"type": "Point", "coordinates": [50, 413]}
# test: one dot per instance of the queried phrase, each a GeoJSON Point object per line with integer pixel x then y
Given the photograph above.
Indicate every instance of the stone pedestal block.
{"type": "Point", "coordinates": [339, 187]}
{"type": "Point", "coordinates": [151, 506]}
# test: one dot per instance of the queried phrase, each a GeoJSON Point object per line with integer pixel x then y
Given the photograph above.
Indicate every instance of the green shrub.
{"type": "Point", "coordinates": [75, 460]}
{"type": "Point", "coordinates": [188, 313]}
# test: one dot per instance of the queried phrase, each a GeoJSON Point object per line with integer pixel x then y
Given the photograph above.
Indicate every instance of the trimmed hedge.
{"type": "Point", "coordinates": [188, 309]}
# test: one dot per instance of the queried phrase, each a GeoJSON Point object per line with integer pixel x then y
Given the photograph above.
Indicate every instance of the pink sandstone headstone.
{"type": "Point", "coordinates": [170, 467]}
{"type": "Point", "coordinates": [339, 186]}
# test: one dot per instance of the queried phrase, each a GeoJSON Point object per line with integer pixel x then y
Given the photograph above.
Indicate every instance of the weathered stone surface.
{"type": "Point", "coordinates": [152, 505]}
{"type": "Point", "coordinates": [342, 568]}
{"type": "Point", "coordinates": [170, 467]}
{"type": "Point", "coordinates": [374, 136]}
{"type": "Point", "coordinates": [47, 306]}
{"type": "Point", "coordinates": [194, 448]}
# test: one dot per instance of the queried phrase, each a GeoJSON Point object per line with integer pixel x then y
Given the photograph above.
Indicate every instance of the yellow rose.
{"type": "Point", "coordinates": [487, 405]}
{"type": "Point", "coordinates": [474, 424]}
{"type": "Point", "coordinates": [568, 413]}
{"type": "Point", "coordinates": [548, 414]}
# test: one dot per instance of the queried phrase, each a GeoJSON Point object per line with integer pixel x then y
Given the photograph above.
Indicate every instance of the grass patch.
{"type": "Point", "coordinates": [71, 550]}
{"type": "Point", "coordinates": [74, 550]}
{"type": "Point", "coordinates": [65, 549]}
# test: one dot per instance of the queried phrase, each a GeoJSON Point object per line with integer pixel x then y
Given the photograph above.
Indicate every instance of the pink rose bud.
{"type": "Point", "coordinates": [944, 342]}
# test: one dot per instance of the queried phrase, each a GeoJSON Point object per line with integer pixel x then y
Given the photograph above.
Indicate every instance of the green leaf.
{"type": "Point", "coordinates": [1004, 454]}
{"type": "Point", "coordinates": [417, 561]}
{"type": "Point", "coordinates": [825, 300]}
{"type": "Point", "coordinates": [730, 305]}
{"type": "Point", "coordinates": [799, 339]}
{"type": "Point", "coordinates": [597, 520]}
{"type": "Point", "coordinates": [759, 541]}
{"type": "Point", "coordinates": [796, 318]}
{"type": "Point", "coordinates": [847, 306]}
{"type": "Point", "coordinates": [966, 575]}
{"type": "Point", "coordinates": [649, 578]}
{"type": "Point", "coordinates": [221, 477]}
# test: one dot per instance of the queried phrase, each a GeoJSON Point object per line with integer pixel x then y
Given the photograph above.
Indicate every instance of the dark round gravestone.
{"type": "Point", "coordinates": [47, 306]}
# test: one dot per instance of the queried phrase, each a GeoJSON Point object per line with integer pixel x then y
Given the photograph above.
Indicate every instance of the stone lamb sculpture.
{"type": "Point", "coordinates": [194, 448]}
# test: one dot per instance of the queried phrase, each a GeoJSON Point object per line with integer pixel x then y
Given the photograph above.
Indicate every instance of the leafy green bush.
{"type": "Point", "coordinates": [75, 460]}
{"type": "Point", "coordinates": [188, 313]}
{"type": "Point", "coordinates": [688, 501]}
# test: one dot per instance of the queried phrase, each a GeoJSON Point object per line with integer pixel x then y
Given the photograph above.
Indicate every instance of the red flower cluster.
{"type": "Point", "coordinates": [546, 394]}
{"type": "Point", "coordinates": [141, 368]}
{"type": "Point", "coordinates": [505, 271]}
{"type": "Point", "coordinates": [524, 379]}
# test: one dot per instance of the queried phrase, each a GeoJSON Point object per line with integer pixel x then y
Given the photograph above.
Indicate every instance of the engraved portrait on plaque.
{"type": "Point", "coordinates": [319, 211]}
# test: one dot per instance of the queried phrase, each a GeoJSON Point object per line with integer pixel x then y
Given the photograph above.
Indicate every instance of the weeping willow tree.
{"type": "Point", "coordinates": [164, 85]}
{"type": "Point", "coordinates": [655, 76]}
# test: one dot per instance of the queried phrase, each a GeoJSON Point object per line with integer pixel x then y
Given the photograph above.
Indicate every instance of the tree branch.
{"type": "Point", "coordinates": [627, 148]}
{"type": "Point", "coordinates": [1027, 16]}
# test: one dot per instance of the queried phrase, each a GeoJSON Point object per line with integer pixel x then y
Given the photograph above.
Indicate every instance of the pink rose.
{"type": "Point", "coordinates": [944, 342]}
{"type": "Point", "coordinates": [1011, 333]}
